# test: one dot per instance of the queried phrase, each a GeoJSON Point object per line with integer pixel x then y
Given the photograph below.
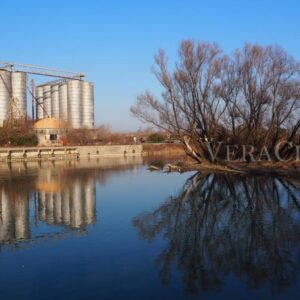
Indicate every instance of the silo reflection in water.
{"type": "Point", "coordinates": [90, 201]}
{"type": "Point", "coordinates": [14, 217]}
{"type": "Point", "coordinates": [57, 207]}
{"type": "Point", "coordinates": [49, 208]}
{"type": "Point", "coordinates": [66, 217]}
{"type": "Point", "coordinates": [76, 205]}
{"type": "Point", "coordinates": [42, 206]}
{"type": "Point", "coordinates": [22, 230]}
{"type": "Point", "coordinates": [6, 224]}
{"type": "Point", "coordinates": [70, 204]}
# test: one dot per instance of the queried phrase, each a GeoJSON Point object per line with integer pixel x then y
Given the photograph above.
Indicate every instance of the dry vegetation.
{"type": "Point", "coordinates": [20, 133]}
{"type": "Point", "coordinates": [103, 135]}
{"type": "Point", "coordinates": [17, 133]}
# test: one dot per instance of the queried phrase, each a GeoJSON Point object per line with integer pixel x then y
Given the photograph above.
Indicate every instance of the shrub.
{"type": "Point", "coordinates": [24, 140]}
{"type": "Point", "coordinates": [155, 138]}
{"type": "Point", "coordinates": [79, 137]}
{"type": "Point", "coordinates": [18, 133]}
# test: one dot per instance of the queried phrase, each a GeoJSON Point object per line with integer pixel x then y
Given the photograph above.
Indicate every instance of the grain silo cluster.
{"type": "Point", "coordinates": [69, 97]}
{"type": "Point", "coordinates": [70, 100]}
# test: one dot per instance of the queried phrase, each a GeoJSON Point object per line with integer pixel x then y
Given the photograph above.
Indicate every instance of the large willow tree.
{"type": "Point", "coordinates": [250, 97]}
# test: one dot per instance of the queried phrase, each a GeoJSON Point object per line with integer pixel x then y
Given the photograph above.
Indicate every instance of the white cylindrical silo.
{"type": "Point", "coordinates": [63, 102]}
{"type": "Point", "coordinates": [87, 105]}
{"type": "Point", "coordinates": [5, 95]}
{"type": "Point", "coordinates": [75, 103]}
{"type": "Point", "coordinates": [47, 100]}
{"type": "Point", "coordinates": [39, 103]}
{"type": "Point", "coordinates": [19, 94]}
{"type": "Point", "coordinates": [55, 101]}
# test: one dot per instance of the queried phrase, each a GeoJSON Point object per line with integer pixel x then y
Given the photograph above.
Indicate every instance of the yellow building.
{"type": "Point", "coordinates": [50, 131]}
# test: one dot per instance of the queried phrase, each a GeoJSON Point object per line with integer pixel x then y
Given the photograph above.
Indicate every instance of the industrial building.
{"type": "Point", "coordinates": [69, 97]}
{"type": "Point", "coordinates": [50, 131]}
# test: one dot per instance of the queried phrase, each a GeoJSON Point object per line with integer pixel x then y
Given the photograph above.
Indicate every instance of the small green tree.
{"type": "Point", "coordinates": [156, 138]}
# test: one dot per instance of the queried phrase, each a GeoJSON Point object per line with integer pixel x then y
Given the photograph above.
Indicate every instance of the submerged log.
{"type": "Point", "coordinates": [153, 168]}
{"type": "Point", "coordinates": [172, 167]}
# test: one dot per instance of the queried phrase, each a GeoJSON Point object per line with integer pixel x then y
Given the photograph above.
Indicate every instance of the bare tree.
{"type": "Point", "coordinates": [251, 97]}
{"type": "Point", "coordinates": [261, 90]}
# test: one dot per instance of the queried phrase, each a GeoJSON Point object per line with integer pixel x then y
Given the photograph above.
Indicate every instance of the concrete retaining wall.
{"type": "Point", "coordinates": [110, 150]}
{"type": "Point", "coordinates": [53, 153]}
{"type": "Point", "coordinates": [34, 153]}
{"type": "Point", "coordinates": [56, 153]}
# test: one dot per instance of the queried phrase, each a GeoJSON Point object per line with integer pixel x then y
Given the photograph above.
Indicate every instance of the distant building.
{"type": "Point", "coordinates": [50, 131]}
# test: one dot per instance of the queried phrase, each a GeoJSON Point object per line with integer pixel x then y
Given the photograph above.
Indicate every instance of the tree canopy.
{"type": "Point", "coordinates": [250, 97]}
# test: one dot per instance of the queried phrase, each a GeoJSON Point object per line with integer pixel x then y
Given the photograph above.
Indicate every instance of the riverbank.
{"type": "Point", "coordinates": [69, 152]}
{"type": "Point", "coordinates": [163, 149]}
{"type": "Point", "coordinates": [74, 152]}
{"type": "Point", "coordinates": [181, 162]}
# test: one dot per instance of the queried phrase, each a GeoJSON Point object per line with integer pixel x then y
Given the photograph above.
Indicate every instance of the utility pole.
{"type": "Point", "coordinates": [33, 98]}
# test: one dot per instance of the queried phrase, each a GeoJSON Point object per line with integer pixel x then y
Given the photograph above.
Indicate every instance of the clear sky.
{"type": "Point", "coordinates": [113, 42]}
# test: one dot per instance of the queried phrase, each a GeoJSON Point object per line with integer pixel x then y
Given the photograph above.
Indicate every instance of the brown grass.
{"type": "Point", "coordinates": [163, 149]}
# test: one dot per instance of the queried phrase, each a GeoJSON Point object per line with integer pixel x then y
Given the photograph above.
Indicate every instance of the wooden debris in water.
{"type": "Point", "coordinates": [172, 167]}
{"type": "Point", "coordinates": [153, 168]}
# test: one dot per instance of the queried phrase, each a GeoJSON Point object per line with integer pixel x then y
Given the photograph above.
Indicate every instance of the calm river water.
{"type": "Point", "coordinates": [111, 229]}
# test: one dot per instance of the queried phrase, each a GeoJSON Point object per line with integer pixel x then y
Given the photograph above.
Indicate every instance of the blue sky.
{"type": "Point", "coordinates": [114, 42]}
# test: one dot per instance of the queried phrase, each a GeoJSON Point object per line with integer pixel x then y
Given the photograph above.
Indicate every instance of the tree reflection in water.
{"type": "Point", "coordinates": [219, 224]}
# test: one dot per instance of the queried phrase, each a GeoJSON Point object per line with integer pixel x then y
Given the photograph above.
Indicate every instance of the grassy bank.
{"type": "Point", "coordinates": [163, 149]}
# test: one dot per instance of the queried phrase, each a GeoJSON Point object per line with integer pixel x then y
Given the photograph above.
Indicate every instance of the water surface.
{"type": "Point", "coordinates": [111, 229]}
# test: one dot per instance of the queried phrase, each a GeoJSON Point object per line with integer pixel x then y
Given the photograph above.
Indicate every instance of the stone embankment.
{"type": "Point", "coordinates": [55, 153]}
{"type": "Point", "coordinates": [74, 152]}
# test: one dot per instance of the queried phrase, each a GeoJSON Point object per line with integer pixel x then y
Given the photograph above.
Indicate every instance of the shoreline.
{"type": "Point", "coordinates": [286, 169]}
{"type": "Point", "coordinates": [10, 154]}
{"type": "Point", "coordinates": [181, 161]}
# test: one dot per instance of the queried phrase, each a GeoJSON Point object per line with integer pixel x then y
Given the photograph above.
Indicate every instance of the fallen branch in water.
{"type": "Point", "coordinates": [291, 168]}
{"type": "Point", "coordinates": [172, 167]}
{"type": "Point", "coordinates": [153, 168]}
